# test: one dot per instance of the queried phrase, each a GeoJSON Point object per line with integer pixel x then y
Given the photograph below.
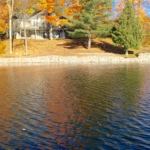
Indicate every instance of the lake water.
{"type": "Point", "coordinates": [75, 107]}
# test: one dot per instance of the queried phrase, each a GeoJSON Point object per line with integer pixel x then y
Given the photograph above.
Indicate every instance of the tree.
{"type": "Point", "coordinates": [55, 9]}
{"type": "Point", "coordinates": [72, 8]}
{"type": "Point", "coordinates": [92, 20]}
{"type": "Point", "coordinates": [3, 17]}
{"type": "Point", "coordinates": [13, 6]}
{"type": "Point", "coordinates": [24, 8]}
{"type": "Point", "coordinates": [139, 6]}
{"type": "Point", "coordinates": [10, 4]}
{"type": "Point", "coordinates": [128, 30]}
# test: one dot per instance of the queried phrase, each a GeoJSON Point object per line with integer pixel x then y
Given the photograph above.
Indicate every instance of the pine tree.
{"type": "Point", "coordinates": [128, 30]}
{"type": "Point", "coordinates": [93, 20]}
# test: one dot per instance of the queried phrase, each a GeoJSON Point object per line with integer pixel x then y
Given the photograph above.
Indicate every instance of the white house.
{"type": "Point", "coordinates": [37, 27]}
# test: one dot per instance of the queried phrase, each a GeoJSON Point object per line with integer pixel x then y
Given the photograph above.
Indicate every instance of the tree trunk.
{"type": "Point", "coordinates": [20, 32]}
{"type": "Point", "coordinates": [25, 37]}
{"type": "Point", "coordinates": [10, 4]}
{"type": "Point", "coordinates": [51, 32]}
{"type": "Point", "coordinates": [25, 41]}
{"type": "Point", "coordinates": [126, 53]}
{"type": "Point", "coordinates": [89, 41]}
{"type": "Point", "coordinates": [35, 34]}
{"type": "Point", "coordinates": [10, 32]}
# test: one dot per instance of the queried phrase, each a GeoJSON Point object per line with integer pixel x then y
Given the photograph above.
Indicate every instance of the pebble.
{"type": "Point", "coordinates": [142, 58]}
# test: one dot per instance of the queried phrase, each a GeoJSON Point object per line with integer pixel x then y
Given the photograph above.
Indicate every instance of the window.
{"type": "Point", "coordinates": [35, 22]}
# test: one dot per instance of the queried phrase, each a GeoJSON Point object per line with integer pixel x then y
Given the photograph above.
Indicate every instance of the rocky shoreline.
{"type": "Point", "coordinates": [142, 58]}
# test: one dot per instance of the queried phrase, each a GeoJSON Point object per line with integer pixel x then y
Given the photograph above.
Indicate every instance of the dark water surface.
{"type": "Point", "coordinates": [75, 107]}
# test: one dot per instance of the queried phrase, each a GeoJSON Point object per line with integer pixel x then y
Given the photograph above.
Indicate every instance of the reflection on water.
{"type": "Point", "coordinates": [75, 107]}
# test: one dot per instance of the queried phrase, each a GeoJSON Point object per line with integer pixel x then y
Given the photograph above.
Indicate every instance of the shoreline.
{"type": "Point", "coordinates": [142, 58]}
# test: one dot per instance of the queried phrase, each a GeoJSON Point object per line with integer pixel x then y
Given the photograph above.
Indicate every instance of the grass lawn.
{"type": "Point", "coordinates": [69, 47]}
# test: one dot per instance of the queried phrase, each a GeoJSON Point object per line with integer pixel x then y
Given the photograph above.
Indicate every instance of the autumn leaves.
{"type": "Point", "coordinates": [3, 17]}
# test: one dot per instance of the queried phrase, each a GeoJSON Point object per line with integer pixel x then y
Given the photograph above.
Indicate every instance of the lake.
{"type": "Point", "coordinates": [86, 106]}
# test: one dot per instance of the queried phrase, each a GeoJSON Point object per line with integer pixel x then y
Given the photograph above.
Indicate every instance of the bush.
{"type": "Point", "coordinates": [2, 48]}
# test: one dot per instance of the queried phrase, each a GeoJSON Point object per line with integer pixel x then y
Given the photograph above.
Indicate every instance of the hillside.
{"type": "Point", "coordinates": [68, 47]}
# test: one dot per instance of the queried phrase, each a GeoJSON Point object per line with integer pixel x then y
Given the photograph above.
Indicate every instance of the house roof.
{"type": "Point", "coordinates": [29, 16]}
{"type": "Point", "coordinates": [41, 13]}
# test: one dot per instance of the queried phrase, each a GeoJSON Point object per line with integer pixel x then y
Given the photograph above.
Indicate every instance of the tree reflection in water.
{"type": "Point", "coordinates": [73, 106]}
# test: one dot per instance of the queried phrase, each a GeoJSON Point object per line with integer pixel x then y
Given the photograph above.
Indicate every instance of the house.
{"type": "Point", "coordinates": [36, 27]}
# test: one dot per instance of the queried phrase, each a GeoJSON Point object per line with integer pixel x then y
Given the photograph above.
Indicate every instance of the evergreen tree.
{"type": "Point", "coordinates": [93, 20]}
{"type": "Point", "coordinates": [128, 30]}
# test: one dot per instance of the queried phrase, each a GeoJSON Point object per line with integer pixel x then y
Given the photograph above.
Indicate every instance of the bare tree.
{"type": "Point", "coordinates": [25, 35]}
{"type": "Point", "coordinates": [10, 4]}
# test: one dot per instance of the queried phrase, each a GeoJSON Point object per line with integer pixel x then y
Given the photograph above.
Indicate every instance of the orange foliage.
{"type": "Point", "coordinates": [75, 6]}
{"type": "Point", "coordinates": [73, 9]}
{"type": "Point", "coordinates": [26, 6]}
{"type": "Point", "coordinates": [62, 22]}
{"type": "Point", "coordinates": [41, 4]}
{"type": "Point", "coordinates": [3, 18]}
{"type": "Point", "coordinates": [53, 19]}
{"type": "Point", "coordinates": [55, 9]}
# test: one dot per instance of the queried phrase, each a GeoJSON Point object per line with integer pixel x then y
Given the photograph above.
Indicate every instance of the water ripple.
{"type": "Point", "coordinates": [75, 107]}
